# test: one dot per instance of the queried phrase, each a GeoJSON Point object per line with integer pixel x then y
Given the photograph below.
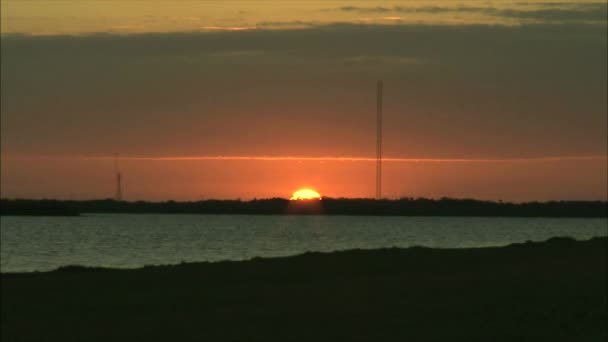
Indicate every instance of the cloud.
{"type": "Point", "coordinates": [284, 25]}
{"type": "Point", "coordinates": [545, 12]}
{"type": "Point", "coordinates": [585, 13]}
{"type": "Point", "coordinates": [401, 9]}
{"type": "Point", "coordinates": [464, 91]}
{"type": "Point", "coordinates": [237, 53]}
{"type": "Point", "coordinates": [376, 60]}
{"type": "Point", "coordinates": [377, 9]}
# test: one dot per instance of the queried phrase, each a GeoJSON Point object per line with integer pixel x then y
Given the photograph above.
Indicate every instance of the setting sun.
{"type": "Point", "coordinates": [305, 194]}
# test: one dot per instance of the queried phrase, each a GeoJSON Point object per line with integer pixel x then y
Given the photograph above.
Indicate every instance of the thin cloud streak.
{"type": "Point", "coordinates": [227, 28]}
{"type": "Point", "coordinates": [319, 159]}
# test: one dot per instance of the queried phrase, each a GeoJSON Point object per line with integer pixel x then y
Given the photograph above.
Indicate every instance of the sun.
{"type": "Point", "coordinates": [305, 194]}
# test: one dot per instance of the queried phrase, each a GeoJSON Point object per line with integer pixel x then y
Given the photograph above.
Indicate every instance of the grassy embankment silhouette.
{"type": "Point", "coordinates": [549, 291]}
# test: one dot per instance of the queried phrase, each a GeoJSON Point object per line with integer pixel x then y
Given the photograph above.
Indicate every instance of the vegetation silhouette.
{"type": "Point", "coordinates": [548, 291]}
{"type": "Point", "coordinates": [326, 206]}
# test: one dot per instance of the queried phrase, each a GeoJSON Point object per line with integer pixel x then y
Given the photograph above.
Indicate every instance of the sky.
{"type": "Point", "coordinates": [497, 100]}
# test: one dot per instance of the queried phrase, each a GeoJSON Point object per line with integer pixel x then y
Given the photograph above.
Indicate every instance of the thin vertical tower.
{"type": "Point", "coordinates": [118, 195]}
{"type": "Point", "coordinates": [379, 141]}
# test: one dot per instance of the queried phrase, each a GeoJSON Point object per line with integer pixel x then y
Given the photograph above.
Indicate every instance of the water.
{"type": "Point", "coordinates": [127, 241]}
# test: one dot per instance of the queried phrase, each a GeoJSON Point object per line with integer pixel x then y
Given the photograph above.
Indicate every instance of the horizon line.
{"type": "Point", "coordinates": [308, 158]}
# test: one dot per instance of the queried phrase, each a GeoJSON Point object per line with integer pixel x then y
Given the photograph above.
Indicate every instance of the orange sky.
{"type": "Point", "coordinates": [513, 180]}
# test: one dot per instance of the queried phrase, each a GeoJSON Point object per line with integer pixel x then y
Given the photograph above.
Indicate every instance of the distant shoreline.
{"type": "Point", "coordinates": [553, 290]}
{"type": "Point", "coordinates": [327, 206]}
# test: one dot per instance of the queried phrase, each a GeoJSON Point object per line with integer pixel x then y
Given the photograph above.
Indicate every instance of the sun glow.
{"type": "Point", "coordinates": [306, 194]}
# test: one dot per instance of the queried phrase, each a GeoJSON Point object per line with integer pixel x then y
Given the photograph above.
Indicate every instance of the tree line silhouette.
{"type": "Point", "coordinates": [326, 206]}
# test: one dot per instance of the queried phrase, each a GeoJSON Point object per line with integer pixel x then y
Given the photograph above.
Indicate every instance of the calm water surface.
{"type": "Point", "coordinates": [126, 241]}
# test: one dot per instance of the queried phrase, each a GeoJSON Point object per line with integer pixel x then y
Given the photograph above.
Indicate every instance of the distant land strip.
{"type": "Point", "coordinates": [319, 159]}
{"type": "Point", "coordinates": [326, 206]}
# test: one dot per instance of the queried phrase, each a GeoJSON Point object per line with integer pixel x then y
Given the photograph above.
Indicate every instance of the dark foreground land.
{"type": "Point", "coordinates": [551, 291]}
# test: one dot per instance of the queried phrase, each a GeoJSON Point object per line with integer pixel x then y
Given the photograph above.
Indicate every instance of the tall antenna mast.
{"type": "Point", "coordinates": [379, 141]}
{"type": "Point", "coordinates": [118, 195]}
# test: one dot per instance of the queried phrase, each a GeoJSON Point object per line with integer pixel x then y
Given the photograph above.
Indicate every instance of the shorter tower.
{"type": "Point", "coordinates": [118, 195]}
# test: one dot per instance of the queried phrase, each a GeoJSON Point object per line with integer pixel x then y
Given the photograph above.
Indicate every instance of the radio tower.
{"type": "Point", "coordinates": [379, 141]}
{"type": "Point", "coordinates": [118, 195]}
